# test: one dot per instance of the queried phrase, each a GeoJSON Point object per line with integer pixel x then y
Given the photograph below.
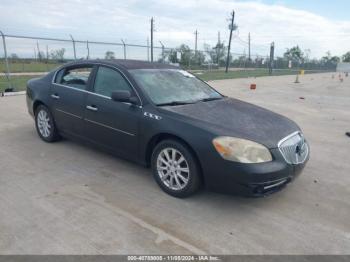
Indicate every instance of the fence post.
{"type": "Point", "coordinates": [162, 51]}
{"type": "Point", "coordinates": [8, 76]}
{"type": "Point", "coordinates": [124, 48]}
{"type": "Point", "coordinates": [88, 49]}
{"type": "Point", "coordinates": [272, 54]}
{"type": "Point", "coordinates": [75, 54]}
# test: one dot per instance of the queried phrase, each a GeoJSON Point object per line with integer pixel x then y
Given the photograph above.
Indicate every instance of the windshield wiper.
{"type": "Point", "coordinates": [176, 103]}
{"type": "Point", "coordinates": [210, 99]}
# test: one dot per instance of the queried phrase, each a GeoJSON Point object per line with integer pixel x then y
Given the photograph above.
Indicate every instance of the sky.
{"type": "Point", "coordinates": [316, 26]}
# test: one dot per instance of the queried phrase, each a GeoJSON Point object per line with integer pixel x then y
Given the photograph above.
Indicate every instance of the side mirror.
{"type": "Point", "coordinates": [123, 96]}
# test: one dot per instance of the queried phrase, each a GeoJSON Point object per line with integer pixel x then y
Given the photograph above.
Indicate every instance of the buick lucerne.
{"type": "Point", "coordinates": [163, 117]}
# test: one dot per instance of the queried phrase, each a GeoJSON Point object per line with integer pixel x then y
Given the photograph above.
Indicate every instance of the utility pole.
{"type": "Point", "coordinates": [152, 29]}
{"type": "Point", "coordinates": [218, 49]}
{"type": "Point", "coordinates": [272, 54]}
{"type": "Point", "coordinates": [249, 39]}
{"type": "Point", "coordinates": [47, 54]}
{"type": "Point", "coordinates": [232, 27]}
{"type": "Point", "coordinates": [39, 54]}
{"type": "Point", "coordinates": [147, 49]}
{"type": "Point", "coordinates": [195, 43]}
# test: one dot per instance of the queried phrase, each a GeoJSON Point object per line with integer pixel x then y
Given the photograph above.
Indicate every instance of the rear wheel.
{"type": "Point", "coordinates": [45, 124]}
{"type": "Point", "coordinates": [175, 169]}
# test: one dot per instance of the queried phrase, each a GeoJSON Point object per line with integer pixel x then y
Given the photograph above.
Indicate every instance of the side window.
{"type": "Point", "coordinates": [109, 80]}
{"type": "Point", "coordinates": [76, 77]}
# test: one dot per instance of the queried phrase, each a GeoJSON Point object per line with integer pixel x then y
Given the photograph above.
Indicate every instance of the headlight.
{"type": "Point", "coordinates": [241, 150]}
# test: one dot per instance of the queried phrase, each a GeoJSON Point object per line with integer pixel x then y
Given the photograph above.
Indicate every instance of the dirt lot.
{"type": "Point", "coordinates": [66, 198]}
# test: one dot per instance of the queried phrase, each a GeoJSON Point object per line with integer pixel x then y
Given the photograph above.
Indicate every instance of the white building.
{"type": "Point", "coordinates": [343, 67]}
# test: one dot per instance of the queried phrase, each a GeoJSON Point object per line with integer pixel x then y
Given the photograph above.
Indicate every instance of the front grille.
{"type": "Point", "coordinates": [294, 148]}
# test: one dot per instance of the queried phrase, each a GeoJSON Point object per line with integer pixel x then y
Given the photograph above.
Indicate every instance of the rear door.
{"type": "Point", "coordinates": [110, 123]}
{"type": "Point", "coordinates": [68, 94]}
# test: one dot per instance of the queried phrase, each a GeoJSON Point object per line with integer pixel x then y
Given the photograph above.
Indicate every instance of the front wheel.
{"type": "Point", "coordinates": [175, 169]}
{"type": "Point", "coordinates": [45, 124]}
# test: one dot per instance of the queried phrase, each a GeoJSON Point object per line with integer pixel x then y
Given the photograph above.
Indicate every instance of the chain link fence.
{"type": "Point", "coordinates": [23, 58]}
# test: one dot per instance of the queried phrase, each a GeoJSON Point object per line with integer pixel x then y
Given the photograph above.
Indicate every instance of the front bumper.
{"type": "Point", "coordinates": [252, 180]}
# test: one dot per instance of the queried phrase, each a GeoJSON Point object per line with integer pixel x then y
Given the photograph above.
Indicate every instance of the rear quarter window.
{"type": "Point", "coordinates": [74, 77]}
{"type": "Point", "coordinates": [58, 76]}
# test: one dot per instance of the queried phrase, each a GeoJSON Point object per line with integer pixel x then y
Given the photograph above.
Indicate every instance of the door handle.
{"type": "Point", "coordinates": [55, 96]}
{"type": "Point", "coordinates": [92, 108]}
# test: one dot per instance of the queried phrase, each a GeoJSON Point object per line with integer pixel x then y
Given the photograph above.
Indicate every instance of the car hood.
{"type": "Point", "coordinates": [233, 117]}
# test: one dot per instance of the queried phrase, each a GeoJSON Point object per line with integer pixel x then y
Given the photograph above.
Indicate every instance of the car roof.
{"type": "Point", "coordinates": [126, 64]}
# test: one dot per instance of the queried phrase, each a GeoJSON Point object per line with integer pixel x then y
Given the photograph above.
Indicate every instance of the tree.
{"type": "Point", "coordinates": [209, 50]}
{"type": "Point", "coordinates": [307, 53]}
{"type": "Point", "coordinates": [14, 56]}
{"type": "Point", "coordinates": [58, 54]}
{"type": "Point", "coordinates": [346, 57]}
{"type": "Point", "coordinates": [329, 59]}
{"type": "Point", "coordinates": [109, 55]}
{"type": "Point", "coordinates": [187, 55]}
{"type": "Point", "coordinates": [217, 53]}
{"type": "Point", "coordinates": [294, 54]}
{"type": "Point", "coordinates": [199, 58]}
{"type": "Point", "coordinates": [171, 54]}
{"type": "Point", "coordinates": [41, 55]}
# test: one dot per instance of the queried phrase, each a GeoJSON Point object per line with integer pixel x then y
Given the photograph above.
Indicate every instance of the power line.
{"type": "Point", "coordinates": [241, 40]}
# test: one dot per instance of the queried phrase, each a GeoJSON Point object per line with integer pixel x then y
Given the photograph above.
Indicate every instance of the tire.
{"type": "Point", "coordinates": [45, 124]}
{"type": "Point", "coordinates": [172, 175]}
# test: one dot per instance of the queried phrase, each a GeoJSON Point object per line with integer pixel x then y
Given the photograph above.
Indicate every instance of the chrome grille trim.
{"type": "Point", "coordinates": [275, 184]}
{"type": "Point", "coordinates": [294, 148]}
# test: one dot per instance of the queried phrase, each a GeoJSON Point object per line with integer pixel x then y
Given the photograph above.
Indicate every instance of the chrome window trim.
{"type": "Point", "coordinates": [103, 125]}
{"type": "Point", "coordinates": [82, 90]}
{"type": "Point", "coordinates": [61, 68]}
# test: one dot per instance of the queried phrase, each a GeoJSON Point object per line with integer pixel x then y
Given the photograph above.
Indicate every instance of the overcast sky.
{"type": "Point", "coordinates": [316, 25]}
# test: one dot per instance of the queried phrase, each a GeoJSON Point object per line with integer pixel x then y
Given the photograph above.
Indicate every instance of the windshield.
{"type": "Point", "coordinates": [173, 86]}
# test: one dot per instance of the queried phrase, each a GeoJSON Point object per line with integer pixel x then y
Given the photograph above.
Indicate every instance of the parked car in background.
{"type": "Point", "coordinates": [161, 116]}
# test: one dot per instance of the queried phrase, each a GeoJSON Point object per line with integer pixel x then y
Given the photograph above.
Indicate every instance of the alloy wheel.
{"type": "Point", "coordinates": [44, 125]}
{"type": "Point", "coordinates": [173, 169]}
